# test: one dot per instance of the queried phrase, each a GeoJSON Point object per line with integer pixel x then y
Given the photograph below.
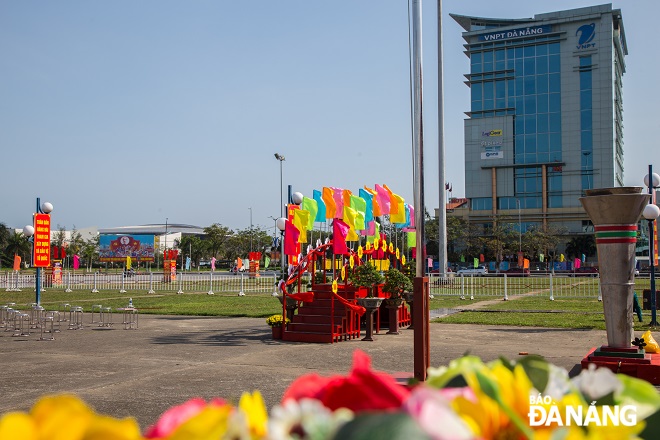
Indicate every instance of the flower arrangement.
{"type": "Point", "coordinates": [468, 399]}
{"type": "Point", "coordinates": [276, 320]}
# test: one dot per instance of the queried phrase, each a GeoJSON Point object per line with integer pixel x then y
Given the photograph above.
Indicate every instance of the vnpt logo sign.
{"type": "Point", "coordinates": [586, 33]}
{"type": "Point", "coordinates": [492, 133]}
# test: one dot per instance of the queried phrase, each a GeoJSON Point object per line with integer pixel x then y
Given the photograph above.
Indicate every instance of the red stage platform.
{"type": "Point", "coordinates": [646, 367]}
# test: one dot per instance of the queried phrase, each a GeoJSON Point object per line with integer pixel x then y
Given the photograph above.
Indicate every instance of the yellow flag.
{"type": "Point", "coordinates": [300, 221]}
{"type": "Point", "coordinates": [400, 215]}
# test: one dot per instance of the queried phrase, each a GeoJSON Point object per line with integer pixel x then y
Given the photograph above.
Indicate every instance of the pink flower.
{"type": "Point", "coordinates": [431, 408]}
{"type": "Point", "coordinates": [174, 417]}
{"type": "Point", "coordinates": [363, 389]}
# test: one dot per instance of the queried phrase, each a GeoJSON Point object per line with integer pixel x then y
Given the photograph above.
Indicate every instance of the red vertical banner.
{"type": "Point", "coordinates": [41, 249]}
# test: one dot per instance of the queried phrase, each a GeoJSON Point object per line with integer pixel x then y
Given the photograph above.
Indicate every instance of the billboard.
{"type": "Point", "coordinates": [118, 247]}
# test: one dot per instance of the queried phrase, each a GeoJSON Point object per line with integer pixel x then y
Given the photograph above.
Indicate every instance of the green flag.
{"type": "Point", "coordinates": [476, 262]}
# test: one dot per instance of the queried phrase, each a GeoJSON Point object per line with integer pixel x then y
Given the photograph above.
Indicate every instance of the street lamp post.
{"type": "Point", "coordinates": [281, 159]}
{"type": "Point", "coordinates": [651, 213]}
{"type": "Point", "coordinates": [41, 227]}
{"type": "Point", "coordinates": [519, 227]}
{"type": "Point", "coordinates": [250, 228]}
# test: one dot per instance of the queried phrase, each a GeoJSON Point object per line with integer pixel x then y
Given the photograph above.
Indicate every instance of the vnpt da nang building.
{"type": "Point", "coordinates": [545, 119]}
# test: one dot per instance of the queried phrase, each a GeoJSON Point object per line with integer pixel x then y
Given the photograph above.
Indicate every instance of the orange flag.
{"type": "Point", "coordinates": [17, 262]}
{"type": "Point", "coordinates": [328, 197]}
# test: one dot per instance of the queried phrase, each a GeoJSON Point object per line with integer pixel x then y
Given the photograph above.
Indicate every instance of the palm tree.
{"type": "Point", "coordinates": [18, 244]}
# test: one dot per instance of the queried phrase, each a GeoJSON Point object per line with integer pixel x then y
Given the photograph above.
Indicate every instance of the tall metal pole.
{"type": "Point", "coordinates": [37, 280]}
{"type": "Point", "coordinates": [250, 229]}
{"type": "Point", "coordinates": [442, 212]}
{"type": "Point", "coordinates": [418, 138]}
{"type": "Point", "coordinates": [519, 227]}
{"type": "Point", "coordinates": [654, 321]}
{"type": "Point", "coordinates": [422, 358]}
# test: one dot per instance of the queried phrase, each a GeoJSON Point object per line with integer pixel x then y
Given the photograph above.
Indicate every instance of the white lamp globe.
{"type": "Point", "coordinates": [281, 223]}
{"type": "Point", "coordinates": [28, 230]}
{"type": "Point", "coordinates": [47, 207]}
{"type": "Point", "coordinates": [651, 212]}
{"type": "Point", "coordinates": [297, 198]}
{"type": "Point", "coordinates": [656, 180]}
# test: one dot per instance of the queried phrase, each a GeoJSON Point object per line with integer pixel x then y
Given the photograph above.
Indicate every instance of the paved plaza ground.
{"type": "Point", "coordinates": [170, 359]}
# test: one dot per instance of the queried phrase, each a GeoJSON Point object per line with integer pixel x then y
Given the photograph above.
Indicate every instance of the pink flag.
{"type": "Point", "coordinates": [577, 263]}
{"type": "Point", "coordinates": [340, 231]}
{"type": "Point", "coordinates": [213, 263]}
{"type": "Point", "coordinates": [383, 197]}
{"type": "Point", "coordinates": [76, 262]}
{"type": "Point", "coordinates": [291, 236]}
{"type": "Point", "coordinates": [338, 195]}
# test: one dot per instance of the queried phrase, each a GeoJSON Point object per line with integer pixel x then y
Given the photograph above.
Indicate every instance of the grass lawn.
{"type": "Point", "coordinates": [538, 311]}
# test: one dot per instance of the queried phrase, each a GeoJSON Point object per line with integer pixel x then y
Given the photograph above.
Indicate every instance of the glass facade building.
{"type": "Point", "coordinates": [545, 113]}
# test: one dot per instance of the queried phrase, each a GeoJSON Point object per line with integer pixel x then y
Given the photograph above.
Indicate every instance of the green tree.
{"type": "Point", "coordinates": [90, 250]}
{"type": "Point", "coordinates": [581, 244]}
{"type": "Point", "coordinates": [4, 237]}
{"type": "Point", "coordinates": [192, 246]}
{"type": "Point", "coordinates": [18, 244]}
{"type": "Point", "coordinates": [217, 236]}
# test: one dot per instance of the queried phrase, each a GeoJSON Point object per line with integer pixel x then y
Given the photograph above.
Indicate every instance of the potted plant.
{"type": "Point", "coordinates": [275, 322]}
{"type": "Point", "coordinates": [396, 284]}
{"type": "Point", "coordinates": [367, 277]}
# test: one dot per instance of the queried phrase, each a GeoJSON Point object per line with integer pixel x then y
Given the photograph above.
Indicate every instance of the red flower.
{"type": "Point", "coordinates": [362, 390]}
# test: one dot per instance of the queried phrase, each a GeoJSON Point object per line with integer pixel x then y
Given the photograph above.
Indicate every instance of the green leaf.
{"type": "Point", "coordinates": [537, 370]}
{"type": "Point", "coordinates": [391, 426]}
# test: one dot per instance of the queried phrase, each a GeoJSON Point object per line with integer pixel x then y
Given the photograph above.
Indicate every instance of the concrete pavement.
{"type": "Point", "coordinates": [170, 359]}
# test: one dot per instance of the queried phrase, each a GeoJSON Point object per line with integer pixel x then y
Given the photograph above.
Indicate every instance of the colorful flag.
{"type": "Point", "coordinates": [291, 236]}
{"type": "Point", "coordinates": [329, 200]}
{"type": "Point", "coordinates": [346, 196]}
{"type": "Point", "coordinates": [76, 262]}
{"type": "Point", "coordinates": [300, 221]}
{"type": "Point", "coordinates": [310, 206]}
{"type": "Point", "coordinates": [349, 218]}
{"type": "Point", "coordinates": [213, 263]}
{"type": "Point", "coordinates": [360, 225]}
{"type": "Point", "coordinates": [340, 231]}
{"type": "Point", "coordinates": [187, 263]}
{"type": "Point", "coordinates": [541, 257]}
{"type": "Point", "coordinates": [128, 262]}
{"type": "Point", "coordinates": [577, 263]}
{"type": "Point", "coordinates": [17, 262]}
{"type": "Point", "coordinates": [394, 201]}
{"type": "Point", "coordinates": [476, 262]}
{"type": "Point", "coordinates": [374, 231]}
{"type": "Point", "coordinates": [320, 206]}
{"type": "Point", "coordinates": [412, 239]}
{"type": "Point", "coordinates": [338, 195]}
{"type": "Point", "coordinates": [398, 216]}
{"type": "Point", "coordinates": [368, 205]}
{"type": "Point", "coordinates": [374, 200]}
{"type": "Point", "coordinates": [526, 263]}
{"type": "Point", "coordinates": [266, 262]}
{"type": "Point", "coordinates": [383, 198]}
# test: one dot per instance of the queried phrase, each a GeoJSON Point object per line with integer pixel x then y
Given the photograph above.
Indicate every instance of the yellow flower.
{"type": "Point", "coordinates": [17, 426]}
{"type": "Point", "coordinates": [254, 408]}
{"type": "Point", "coordinates": [66, 418]}
{"type": "Point", "coordinates": [210, 423]}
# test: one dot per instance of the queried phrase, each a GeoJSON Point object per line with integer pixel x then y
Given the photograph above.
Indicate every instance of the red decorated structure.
{"type": "Point", "coordinates": [328, 312]}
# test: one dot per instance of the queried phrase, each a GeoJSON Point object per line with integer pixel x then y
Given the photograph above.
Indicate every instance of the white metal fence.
{"type": "Point", "coordinates": [491, 285]}
{"type": "Point", "coordinates": [503, 286]}
{"type": "Point", "coordinates": [149, 282]}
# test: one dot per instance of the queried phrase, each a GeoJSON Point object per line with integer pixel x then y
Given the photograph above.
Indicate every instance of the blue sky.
{"type": "Point", "coordinates": [127, 113]}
